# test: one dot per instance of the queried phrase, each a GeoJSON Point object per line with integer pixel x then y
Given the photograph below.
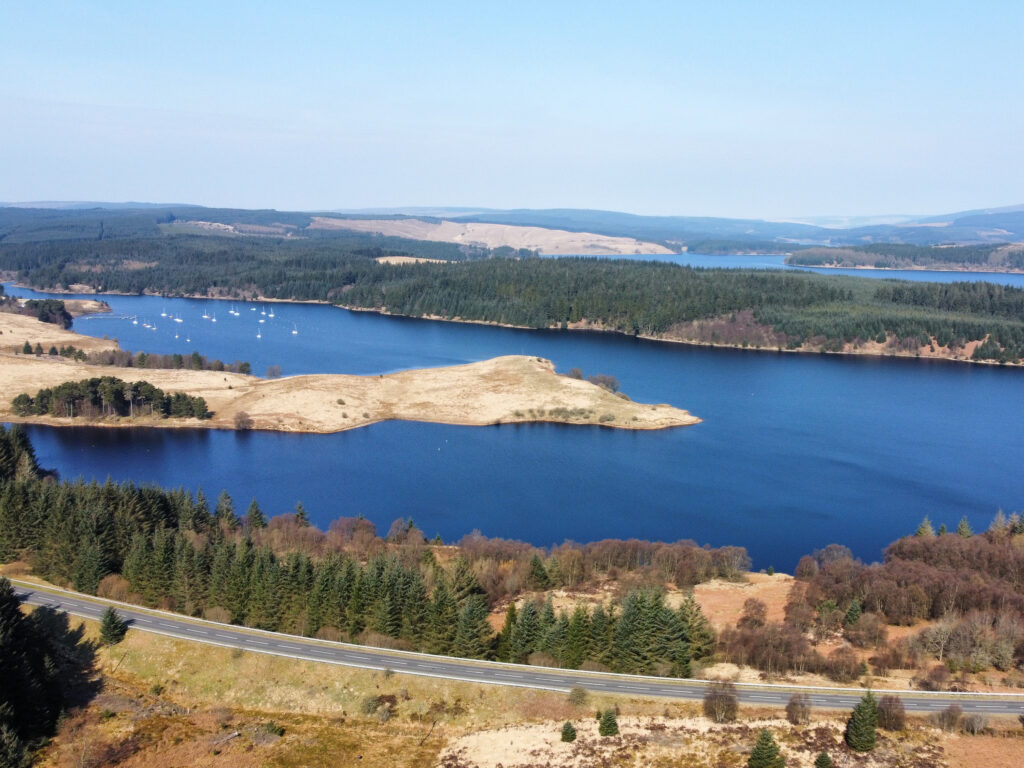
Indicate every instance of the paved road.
{"type": "Point", "coordinates": [478, 672]}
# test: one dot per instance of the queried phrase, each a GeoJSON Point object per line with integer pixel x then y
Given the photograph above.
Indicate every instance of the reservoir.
{"type": "Point", "coordinates": [795, 451]}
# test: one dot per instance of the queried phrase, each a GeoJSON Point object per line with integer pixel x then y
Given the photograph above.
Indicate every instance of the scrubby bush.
{"type": "Point", "coordinates": [721, 702]}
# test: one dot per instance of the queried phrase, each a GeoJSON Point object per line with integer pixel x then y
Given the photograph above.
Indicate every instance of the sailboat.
{"type": "Point", "coordinates": [271, 312]}
{"type": "Point", "coordinates": [206, 315]}
{"type": "Point", "coordinates": [258, 334]}
{"type": "Point", "coordinates": [295, 331]}
{"type": "Point", "coordinates": [135, 319]}
{"type": "Point", "coordinates": [163, 312]}
{"type": "Point", "coordinates": [178, 320]}
{"type": "Point", "coordinates": [214, 318]}
{"type": "Point", "coordinates": [262, 320]}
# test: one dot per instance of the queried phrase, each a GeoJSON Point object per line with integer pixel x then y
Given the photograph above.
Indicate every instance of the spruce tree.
{"type": "Point", "coordinates": [112, 627]}
{"type": "Point", "coordinates": [473, 633]}
{"type": "Point", "coordinates": [608, 725]}
{"type": "Point", "coordinates": [538, 574]}
{"type": "Point", "coordinates": [568, 732]}
{"type": "Point", "coordinates": [766, 752]}
{"type": "Point", "coordinates": [963, 529]}
{"type": "Point", "coordinates": [823, 761]}
{"type": "Point", "coordinates": [925, 529]}
{"type": "Point", "coordinates": [860, 728]}
{"type": "Point", "coordinates": [300, 514]}
{"type": "Point", "coordinates": [853, 613]}
{"type": "Point", "coordinates": [254, 517]}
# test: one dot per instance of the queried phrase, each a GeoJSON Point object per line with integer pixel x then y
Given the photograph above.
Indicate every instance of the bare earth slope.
{"type": "Point", "coordinates": [514, 388]}
{"type": "Point", "coordinates": [556, 242]}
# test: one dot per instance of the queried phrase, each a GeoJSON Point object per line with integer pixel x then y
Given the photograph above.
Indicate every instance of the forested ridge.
{"type": "Point", "coordinates": [109, 396]}
{"type": "Point", "coordinates": [751, 308]}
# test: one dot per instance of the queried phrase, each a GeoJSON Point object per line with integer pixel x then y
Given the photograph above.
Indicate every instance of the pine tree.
{"type": "Point", "coordinates": [505, 636]}
{"type": "Point", "coordinates": [925, 529]}
{"type": "Point", "coordinates": [300, 514]}
{"type": "Point", "coordinates": [608, 725]}
{"type": "Point", "coordinates": [112, 627]}
{"type": "Point", "coordinates": [525, 633]}
{"type": "Point", "coordinates": [963, 529]}
{"type": "Point", "coordinates": [225, 512]}
{"type": "Point", "coordinates": [860, 728]}
{"type": "Point", "coordinates": [766, 752]}
{"type": "Point", "coordinates": [568, 732]}
{"type": "Point", "coordinates": [577, 639]}
{"type": "Point", "coordinates": [823, 761]}
{"type": "Point", "coordinates": [254, 517]}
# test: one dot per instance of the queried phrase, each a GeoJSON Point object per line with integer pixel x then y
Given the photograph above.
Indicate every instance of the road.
{"type": "Point", "coordinates": [490, 673]}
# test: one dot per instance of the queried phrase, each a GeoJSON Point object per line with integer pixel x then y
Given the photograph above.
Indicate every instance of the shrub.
{"type": "Point", "coordinates": [798, 709]}
{"type": "Point", "coordinates": [568, 732]}
{"type": "Point", "coordinates": [974, 724]}
{"type": "Point", "coordinates": [892, 716]}
{"type": "Point", "coordinates": [577, 696]}
{"type": "Point", "coordinates": [243, 421]}
{"type": "Point", "coordinates": [274, 729]}
{"type": "Point", "coordinates": [721, 702]}
{"type": "Point", "coordinates": [948, 719]}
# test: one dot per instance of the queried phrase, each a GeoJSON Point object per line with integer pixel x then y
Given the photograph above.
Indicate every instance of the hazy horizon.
{"type": "Point", "coordinates": [787, 112]}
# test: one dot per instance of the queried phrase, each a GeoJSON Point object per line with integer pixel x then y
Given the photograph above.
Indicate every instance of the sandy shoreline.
{"type": "Point", "coordinates": [504, 390]}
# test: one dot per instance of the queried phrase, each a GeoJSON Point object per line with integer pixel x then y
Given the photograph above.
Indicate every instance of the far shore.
{"type": "Point", "coordinates": [913, 268]}
{"type": "Point", "coordinates": [869, 349]}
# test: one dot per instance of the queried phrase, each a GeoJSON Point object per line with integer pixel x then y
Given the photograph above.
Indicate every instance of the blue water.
{"type": "Point", "coordinates": [777, 261]}
{"type": "Point", "coordinates": [795, 451]}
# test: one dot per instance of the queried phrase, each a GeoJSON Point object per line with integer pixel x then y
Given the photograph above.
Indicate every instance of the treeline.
{"type": "Point", "coordinates": [109, 396]}
{"type": "Point", "coordinates": [170, 549]}
{"type": "Point", "coordinates": [902, 256]}
{"type": "Point", "coordinates": [44, 310]}
{"type": "Point", "coordinates": [125, 358]}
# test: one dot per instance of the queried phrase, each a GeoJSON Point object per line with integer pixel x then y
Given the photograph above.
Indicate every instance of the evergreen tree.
{"type": "Point", "coordinates": [860, 728]}
{"type": "Point", "coordinates": [823, 760]}
{"type": "Point", "coordinates": [225, 512]}
{"type": "Point", "coordinates": [608, 724]}
{"type": "Point", "coordinates": [525, 633]}
{"type": "Point", "coordinates": [300, 514]}
{"type": "Point", "coordinates": [700, 635]}
{"type": "Point", "coordinates": [538, 574]}
{"type": "Point", "coordinates": [963, 528]}
{"type": "Point", "coordinates": [577, 639]}
{"type": "Point", "coordinates": [442, 619]}
{"type": "Point", "coordinates": [568, 732]}
{"type": "Point", "coordinates": [925, 528]}
{"type": "Point", "coordinates": [473, 633]}
{"type": "Point", "coordinates": [853, 613]}
{"type": "Point", "coordinates": [766, 752]}
{"type": "Point", "coordinates": [112, 627]}
{"type": "Point", "coordinates": [254, 517]}
{"type": "Point", "coordinates": [505, 636]}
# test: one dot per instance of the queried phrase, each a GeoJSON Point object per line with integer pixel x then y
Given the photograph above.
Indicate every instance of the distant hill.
{"type": "Point", "coordinates": [28, 222]}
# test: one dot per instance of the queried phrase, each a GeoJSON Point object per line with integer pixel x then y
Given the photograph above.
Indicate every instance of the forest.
{"type": "Point", "coordinates": [902, 256]}
{"type": "Point", "coordinates": [175, 550]}
{"type": "Point", "coordinates": [109, 396]}
{"type": "Point", "coordinates": [746, 308]}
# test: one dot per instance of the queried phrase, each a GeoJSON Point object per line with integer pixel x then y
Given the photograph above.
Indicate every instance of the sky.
{"type": "Point", "coordinates": [736, 109]}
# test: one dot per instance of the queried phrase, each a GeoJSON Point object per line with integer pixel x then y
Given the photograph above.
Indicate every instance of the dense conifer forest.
{"type": "Point", "coordinates": [992, 256]}
{"type": "Point", "coordinates": [763, 309]}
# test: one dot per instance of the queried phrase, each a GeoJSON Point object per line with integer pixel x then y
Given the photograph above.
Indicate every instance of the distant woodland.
{"type": "Point", "coordinates": [757, 309]}
{"type": "Point", "coordinates": [998, 256]}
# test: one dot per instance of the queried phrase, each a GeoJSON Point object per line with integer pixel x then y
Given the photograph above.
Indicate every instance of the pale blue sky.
{"type": "Point", "coordinates": [726, 108]}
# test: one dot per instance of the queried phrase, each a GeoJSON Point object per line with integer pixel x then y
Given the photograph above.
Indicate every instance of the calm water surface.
{"type": "Point", "coordinates": [795, 451]}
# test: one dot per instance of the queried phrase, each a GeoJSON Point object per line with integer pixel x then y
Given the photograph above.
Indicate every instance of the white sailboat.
{"type": "Point", "coordinates": [295, 331]}
{"type": "Point", "coordinates": [135, 319]}
{"type": "Point", "coordinates": [271, 312]}
{"type": "Point", "coordinates": [214, 318]}
{"type": "Point", "coordinates": [178, 320]}
{"type": "Point", "coordinates": [163, 312]}
{"type": "Point", "coordinates": [258, 334]}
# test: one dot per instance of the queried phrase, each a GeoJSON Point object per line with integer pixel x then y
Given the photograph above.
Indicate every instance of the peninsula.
{"type": "Point", "coordinates": [510, 389]}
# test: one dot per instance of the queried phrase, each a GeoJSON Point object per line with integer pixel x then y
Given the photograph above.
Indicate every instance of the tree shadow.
{"type": "Point", "coordinates": [73, 658]}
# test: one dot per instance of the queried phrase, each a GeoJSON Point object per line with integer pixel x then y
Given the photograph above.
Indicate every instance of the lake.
{"type": "Point", "coordinates": [795, 452]}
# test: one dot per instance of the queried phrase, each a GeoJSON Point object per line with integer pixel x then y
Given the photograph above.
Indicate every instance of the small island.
{"type": "Point", "coordinates": [509, 389]}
